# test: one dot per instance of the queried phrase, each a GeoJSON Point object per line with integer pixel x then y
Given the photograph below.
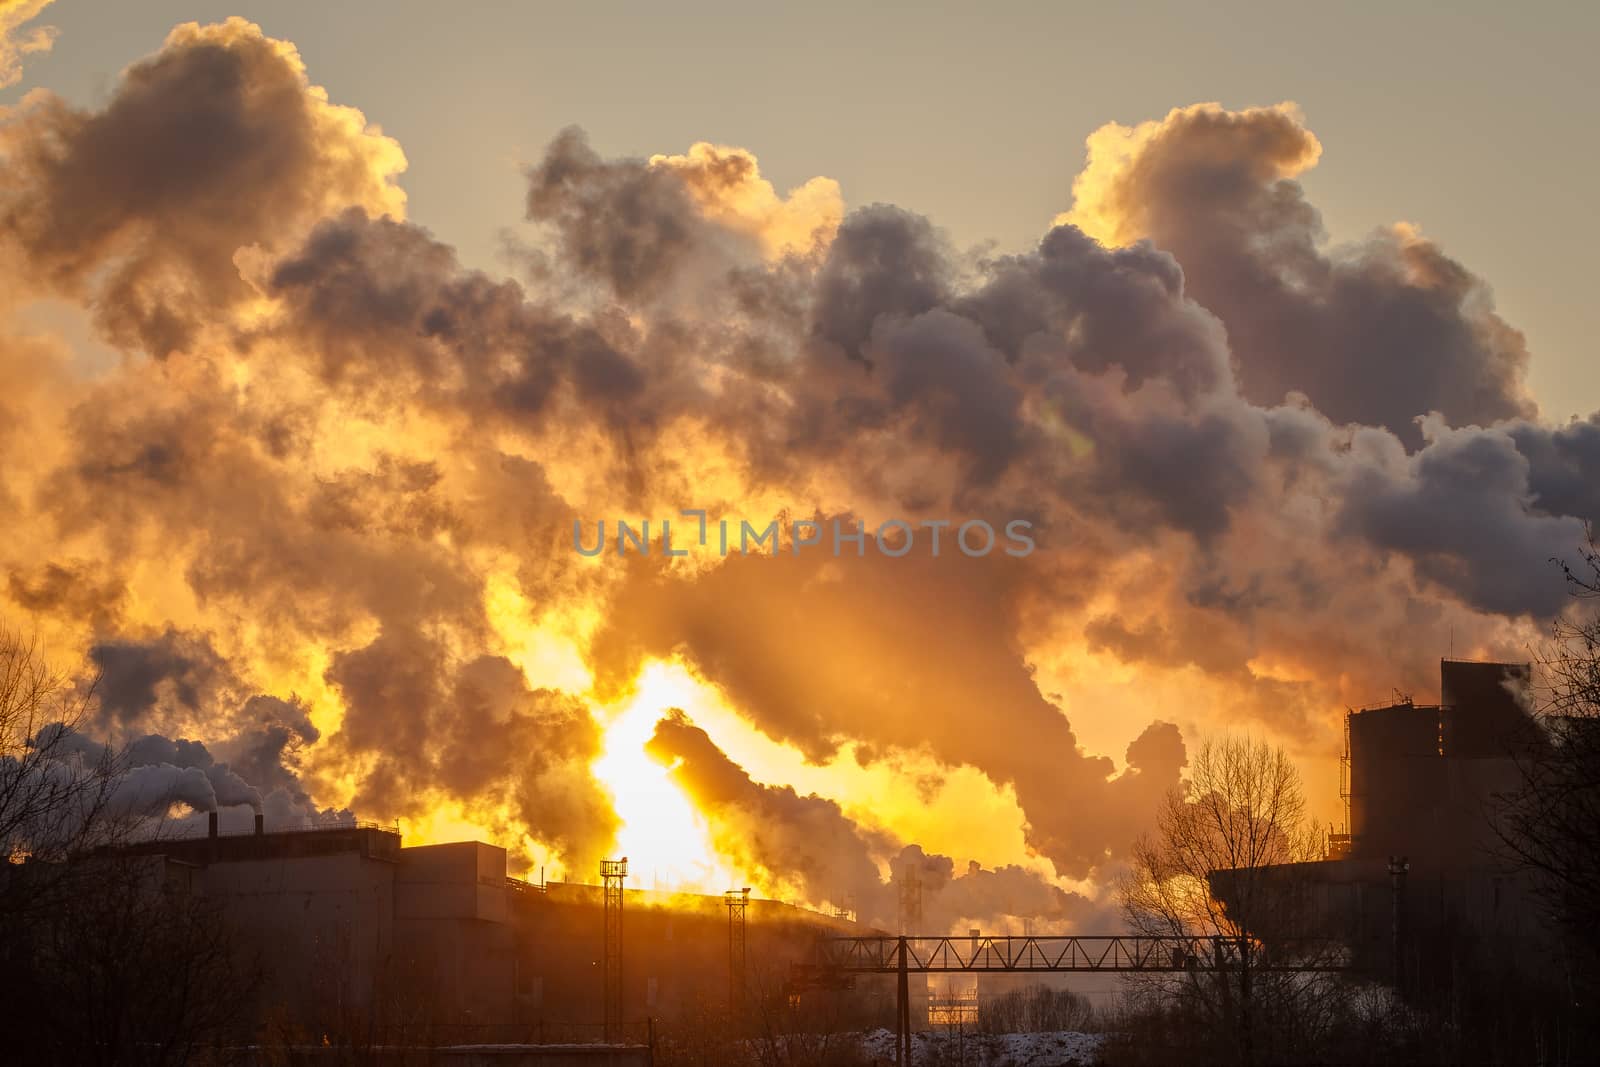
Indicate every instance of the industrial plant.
{"type": "Point", "coordinates": [355, 937]}
{"type": "Point", "coordinates": [1421, 878]}
{"type": "Point", "coordinates": [354, 932]}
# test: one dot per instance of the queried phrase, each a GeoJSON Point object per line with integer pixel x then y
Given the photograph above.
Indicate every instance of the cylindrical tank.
{"type": "Point", "coordinates": [1395, 775]}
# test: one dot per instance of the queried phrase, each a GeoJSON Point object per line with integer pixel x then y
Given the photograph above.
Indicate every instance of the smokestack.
{"type": "Point", "coordinates": [261, 824]}
{"type": "Point", "coordinates": [211, 824]}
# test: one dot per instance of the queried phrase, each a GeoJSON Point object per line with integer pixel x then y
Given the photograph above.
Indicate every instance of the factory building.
{"type": "Point", "coordinates": [351, 932]}
{"type": "Point", "coordinates": [1419, 780]}
{"type": "Point", "coordinates": [1420, 872]}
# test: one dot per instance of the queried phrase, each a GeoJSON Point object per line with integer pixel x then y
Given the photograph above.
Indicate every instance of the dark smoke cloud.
{"type": "Point", "coordinates": [471, 731]}
{"type": "Point", "coordinates": [1563, 466]}
{"type": "Point", "coordinates": [149, 776]}
{"type": "Point", "coordinates": [355, 459]}
{"type": "Point", "coordinates": [884, 262]}
{"type": "Point", "coordinates": [803, 839]}
{"type": "Point", "coordinates": [941, 364]}
{"type": "Point", "coordinates": [1377, 333]}
{"type": "Point", "coordinates": [809, 840]}
{"type": "Point", "coordinates": [916, 656]}
{"type": "Point", "coordinates": [228, 788]}
{"type": "Point", "coordinates": [623, 225]}
{"type": "Point", "coordinates": [261, 743]}
{"type": "Point", "coordinates": [387, 306]}
{"type": "Point", "coordinates": [1460, 509]}
{"type": "Point", "coordinates": [1007, 898]}
{"type": "Point", "coordinates": [265, 750]}
{"type": "Point", "coordinates": [1098, 378]}
{"type": "Point", "coordinates": [171, 677]}
{"type": "Point", "coordinates": [80, 588]}
{"type": "Point", "coordinates": [149, 790]}
{"type": "Point", "coordinates": [1101, 308]}
{"type": "Point", "coordinates": [211, 146]}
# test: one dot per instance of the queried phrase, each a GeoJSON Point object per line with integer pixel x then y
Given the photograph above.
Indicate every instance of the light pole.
{"type": "Point", "coordinates": [1398, 868]}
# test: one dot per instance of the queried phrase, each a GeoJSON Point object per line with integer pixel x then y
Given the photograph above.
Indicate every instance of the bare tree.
{"type": "Point", "coordinates": [1219, 868]}
{"type": "Point", "coordinates": [1243, 811]}
{"type": "Point", "coordinates": [55, 792]}
{"type": "Point", "coordinates": [790, 1031]}
{"type": "Point", "coordinates": [132, 968]}
{"type": "Point", "coordinates": [1552, 822]}
{"type": "Point", "coordinates": [1033, 1010]}
{"type": "Point", "coordinates": [774, 1027]}
{"type": "Point", "coordinates": [107, 957]}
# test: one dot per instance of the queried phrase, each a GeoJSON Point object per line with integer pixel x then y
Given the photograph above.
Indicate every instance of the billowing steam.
{"type": "Point", "coordinates": [314, 506]}
{"type": "Point", "coordinates": [808, 843]}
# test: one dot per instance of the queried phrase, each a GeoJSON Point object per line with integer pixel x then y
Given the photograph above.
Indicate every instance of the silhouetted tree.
{"type": "Point", "coordinates": [1034, 1010]}
{"type": "Point", "coordinates": [129, 968]}
{"type": "Point", "coordinates": [107, 958]}
{"type": "Point", "coordinates": [1217, 868]}
{"type": "Point", "coordinates": [1552, 822]}
{"type": "Point", "coordinates": [54, 793]}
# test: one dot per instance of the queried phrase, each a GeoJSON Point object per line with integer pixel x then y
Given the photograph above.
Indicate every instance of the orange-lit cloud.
{"type": "Point", "coordinates": [16, 42]}
{"type": "Point", "coordinates": [727, 185]}
{"type": "Point", "coordinates": [297, 483]}
{"type": "Point", "coordinates": [1255, 146]}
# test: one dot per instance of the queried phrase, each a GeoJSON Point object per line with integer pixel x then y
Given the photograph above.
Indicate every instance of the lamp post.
{"type": "Point", "coordinates": [1398, 868]}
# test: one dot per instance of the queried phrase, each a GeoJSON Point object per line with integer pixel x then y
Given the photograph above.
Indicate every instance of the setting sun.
{"type": "Point", "coordinates": [667, 844]}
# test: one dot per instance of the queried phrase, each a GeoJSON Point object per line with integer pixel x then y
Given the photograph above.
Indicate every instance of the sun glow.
{"type": "Point", "coordinates": [667, 843]}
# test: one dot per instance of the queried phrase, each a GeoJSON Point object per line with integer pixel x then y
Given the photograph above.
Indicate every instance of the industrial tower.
{"type": "Point", "coordinates": [613, 873]}
{"type": "Point", "coordinates": [738, 900]}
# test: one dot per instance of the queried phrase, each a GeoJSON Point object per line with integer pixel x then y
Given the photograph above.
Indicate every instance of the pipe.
{"type": "Point", "coordinates": [211, 824]}
{"type": "Point", "coordinates": [261, 824]}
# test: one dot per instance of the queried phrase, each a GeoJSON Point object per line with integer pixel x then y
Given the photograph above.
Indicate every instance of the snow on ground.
{"type": "Point", "coordinates": [1057, 1049]}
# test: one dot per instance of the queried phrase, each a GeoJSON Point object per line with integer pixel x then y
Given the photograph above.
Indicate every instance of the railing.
{"type": "Point", "coordinates": [520, 885]}
{"type": "Point", "coordinates": [1111, 953]}
{"type": "Point", "coordinates": [296, 826]}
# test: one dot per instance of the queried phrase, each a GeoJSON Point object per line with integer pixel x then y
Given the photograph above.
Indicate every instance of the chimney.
{"type": "Point", "coordinates": [211, 824]}
{"type": "Point", "coordinates": [261, 824]}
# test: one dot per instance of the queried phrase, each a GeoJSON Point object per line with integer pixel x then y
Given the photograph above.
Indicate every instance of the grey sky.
{"type": "Point", "coordinates": [1475, 122]}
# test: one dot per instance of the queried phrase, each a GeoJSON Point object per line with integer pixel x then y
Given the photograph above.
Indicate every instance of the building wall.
{"type": "Point", "coordinates": [452, 932]}
{"type": "Point", "coordinates": [351, 932]}
{"type": "Point", "coordinates": [320, 928]}
{"type": "Point", "coordinates": [355, 935]}
{"type": "Point", "coordinates": [1486, 717]}
{"type": "Point", "coordinates": [675, 956]}
{"type": "Point", "coordinates": [1423, 778]}
{"type": "Point", "coordinates": [1396, 778]}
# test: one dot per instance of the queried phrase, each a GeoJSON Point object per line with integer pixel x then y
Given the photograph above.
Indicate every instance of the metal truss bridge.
{"type": "Point", "coordinates": [837, 959]}
{"type": "Point", "coordinates": [1082, 954]}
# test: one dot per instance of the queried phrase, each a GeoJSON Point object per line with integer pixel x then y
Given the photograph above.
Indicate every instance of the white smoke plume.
{"type": "Point", "coordinates": [318, 513]}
